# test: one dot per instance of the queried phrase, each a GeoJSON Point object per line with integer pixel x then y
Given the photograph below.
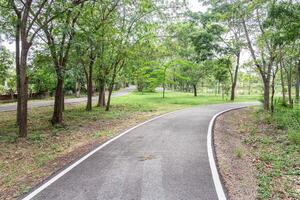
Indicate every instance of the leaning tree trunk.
{"type": "Point", "coordinates": [101, 99]}
{"type": "Point", "coordinates": [111, 88]}
{"type": "Point", "coordinates": [58, 102]}
{"type": "Point", "coordinates": [233, 86]}
{"type": "Point", "coordinates": [195, 90]}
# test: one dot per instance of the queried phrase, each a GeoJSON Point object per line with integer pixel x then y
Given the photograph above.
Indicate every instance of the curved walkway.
{"type": "Point", "coordinates": [162, 159]}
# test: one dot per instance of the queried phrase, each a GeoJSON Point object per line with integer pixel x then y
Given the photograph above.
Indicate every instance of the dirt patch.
{"type": "Point", "coordinates": [234, 158]}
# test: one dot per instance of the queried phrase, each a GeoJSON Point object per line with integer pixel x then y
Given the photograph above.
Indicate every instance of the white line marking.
{"type": "Point", "coordinates": [213, 167]}
{"type": "Point", "coordinates": [56, 177]}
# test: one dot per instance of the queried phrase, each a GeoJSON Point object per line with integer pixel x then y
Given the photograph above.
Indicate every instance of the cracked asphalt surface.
{"type": "Point", "coordinates": [165, 159]}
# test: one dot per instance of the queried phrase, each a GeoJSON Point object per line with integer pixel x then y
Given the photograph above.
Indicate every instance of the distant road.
{"type": "Point", "coordinates": [41, 103]}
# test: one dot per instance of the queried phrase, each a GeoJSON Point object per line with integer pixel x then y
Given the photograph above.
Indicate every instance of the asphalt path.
{"type": "Point", "coordinates": [163, 159]}
{"type": "Point", "coordinates": [43, 103]}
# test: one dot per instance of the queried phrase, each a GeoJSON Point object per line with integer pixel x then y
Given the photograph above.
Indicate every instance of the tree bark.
{"type": "Point", "coordinates": [23, 85]}
{"type": "Point", "coordinates": [195, 90]}
{"type": "Point", "coordinates": [272, 95]}
{"type": "Point", "coordinates": [58, 102]}
{"type": "Point", "coordinates": [233, 86]}
{"type": "Point", "coordinates": [111, 87]}
{"type": "Point", "coordinates": [266, 82]}
{"type": "Point", "coordinates": [282, 83]}
{"type": "Point", "coordinates": [273, 89]}
{"type": "Point", "coordinates": [265, 74]}
{"type": "Point", "coordinates": [17, 60]}
{"type": "Point", "coordinates": [101, 98]}
{"type": "Point", "coordinates": [289, 79]}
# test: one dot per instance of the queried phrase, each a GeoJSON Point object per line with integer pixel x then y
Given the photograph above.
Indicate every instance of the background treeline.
{"type": "Point", "coordinates": [96, 46]}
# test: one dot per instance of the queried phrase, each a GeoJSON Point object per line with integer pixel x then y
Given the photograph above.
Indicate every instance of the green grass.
{"type": "Point", "coordinates": [173, 100]}
{"type": "Point", "coordinates": [288, 119]}
{"type": "Point", "coordinates": [277, 149]}
{"type": "Point", "coordinates": [75, 115]}
{"type": "Point", "coordinates": [46, 143]}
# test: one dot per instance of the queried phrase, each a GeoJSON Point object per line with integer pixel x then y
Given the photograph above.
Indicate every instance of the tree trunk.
{"type": "Point", "coordinates": [272, 95]}
{"type": "Point", "coordinates": [111, 88]}
{"type": "Point", "coordinates": [233, 86]}
{"type": "Point", "coordinates": [282, 84]}
{"type": "Point", "coordinates": [58, 102]}
{"type": "Point", "coordinates": [63, 100]}
{"type": "Point", "coordinates": [101, 99]}
{"type": "Point", "coordinates": [109, 97]}
{"type": "Point", "coordinates": [195, 90]}
{"type": "Point", "coordinates": [17, 60]}
{"type": "Point", "coordinates": [289, 79]}
{"type": "Point", "coordinates": [23, 89]}
{"type": "Point", "coordinates": [298, 81]}
{"type": "Point", "coordinates": [273, 89]}
{"type": "Point", "coordinates": [89, 90]}
{"type": "Point", "coordinates": [266, 94]}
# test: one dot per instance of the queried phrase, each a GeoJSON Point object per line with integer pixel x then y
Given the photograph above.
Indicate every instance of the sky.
{"type": "Point", "coordinates": [195, 6]}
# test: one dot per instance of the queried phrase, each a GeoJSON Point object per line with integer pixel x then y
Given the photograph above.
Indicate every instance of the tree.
{"type": "Point", "coordinates": [59, 37]}
{"type": "Point", "coordinates": [27, 14]}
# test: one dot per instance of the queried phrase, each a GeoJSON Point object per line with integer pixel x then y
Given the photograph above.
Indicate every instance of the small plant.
{"type": "Point", "coordinates": [294, 136]}
{"type": "Point", "coordinates": [253, 131]}
{"type": "Point", "coordinates": [35, 137]}
{"type": "Point", "coordinates": [97, 134]}
{"type": "Point", "coordinates": [8, 138]}
{"type": "Point", "coordinates": [238, 152]}
{"type": "Point", "coordinates": [41, 159]}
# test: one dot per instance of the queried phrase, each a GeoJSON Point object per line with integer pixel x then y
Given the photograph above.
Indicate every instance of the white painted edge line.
{"type": "Point", "coordinates": [62, 173]}
{"type": "Point", "coordinates": [213, 166]}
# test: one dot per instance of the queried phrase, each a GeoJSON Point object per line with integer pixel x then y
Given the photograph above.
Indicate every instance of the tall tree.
{"type": "Point", "coordinates": [59, 37]}
{"type": "Point", "coordinates": [27, 14]}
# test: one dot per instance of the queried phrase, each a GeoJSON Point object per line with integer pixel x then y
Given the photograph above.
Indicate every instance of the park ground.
{"type": "Point", "coordinates": [258, 158]}
{"type": "Point", "coordinates": [24, 163]}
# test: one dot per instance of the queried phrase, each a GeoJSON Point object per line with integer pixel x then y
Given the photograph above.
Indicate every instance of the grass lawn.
{"type": "Point", "coordinates": [24, 163]}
